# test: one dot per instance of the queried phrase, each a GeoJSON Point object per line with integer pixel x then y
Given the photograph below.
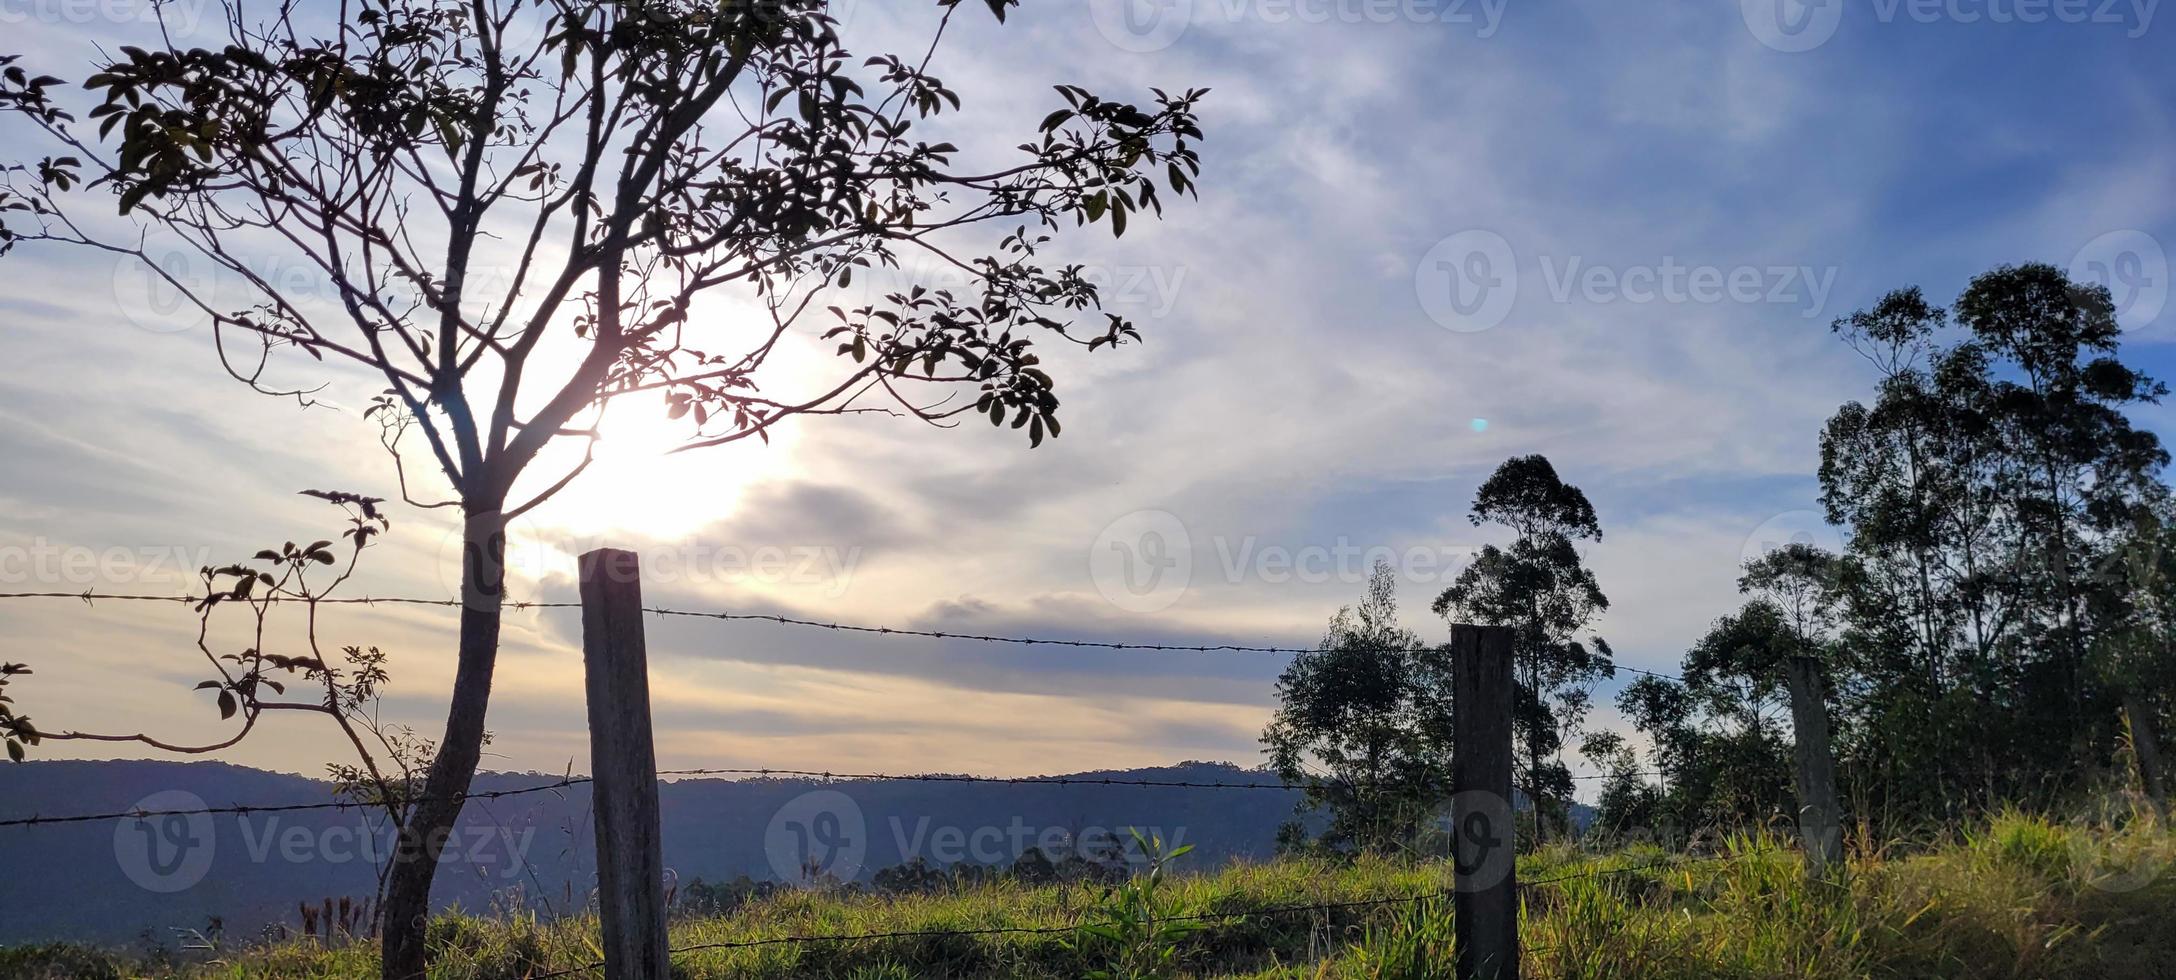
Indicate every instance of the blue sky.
{"type": "Point", "coordinates": [1306, 388]}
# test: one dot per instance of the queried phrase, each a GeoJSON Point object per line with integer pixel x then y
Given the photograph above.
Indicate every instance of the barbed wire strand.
{"type": "Point", "coordinates": [810, 774]}
{"type": "Point", "coordinates": [580, 780]}
{"type": "Point", "coordinates": [89, 597]}
{"type": "Point", "coordinates": [962, 778]}
{"type": "Point", "coordinates": [139, 814]}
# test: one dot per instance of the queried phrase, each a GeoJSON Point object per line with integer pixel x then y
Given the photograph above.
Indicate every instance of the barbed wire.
{"type": "Point", "coordinates": [811, 774]}
{"type": "Point", "coordinates": [761, 773]}
{"type": "Point", "coordinates": [1045, 780]}
{"type": "Point", "coordinates": [962, 778]}
{"type": "Point", "coordinates": [1612, 775]}
{"type": "Point", "coordinates": [89, 597]}
{"type": "Point", "coordinates": [139, 814]}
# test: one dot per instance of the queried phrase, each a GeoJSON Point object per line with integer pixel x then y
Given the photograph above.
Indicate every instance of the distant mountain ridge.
{"type": "Point", "coordinates": [118, 881]}
{"type": "Point", "coordinates": [124, 880]}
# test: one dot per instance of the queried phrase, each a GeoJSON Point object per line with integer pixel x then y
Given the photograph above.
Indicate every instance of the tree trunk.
{"type": "Point", "coordinates": [1819, 818]}
{"type": "Point", "coordinates": [2145, 747]}
{"type": "Point", "coordinates": [408, 895]}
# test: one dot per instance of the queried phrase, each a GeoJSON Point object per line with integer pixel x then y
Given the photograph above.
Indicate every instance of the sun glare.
{"type": "Point", "coordinates": [639, 486]}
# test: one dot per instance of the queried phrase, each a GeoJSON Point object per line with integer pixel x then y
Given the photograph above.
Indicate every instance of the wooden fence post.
{"type": "Point", "coordinates": [1819, 818]}
{"type": "Point", "coordinates": [1484, 838]}
{"type": "Point", "coordinates": [630, 859]}
{"type": "Point", "coordinates": [2145, 748]}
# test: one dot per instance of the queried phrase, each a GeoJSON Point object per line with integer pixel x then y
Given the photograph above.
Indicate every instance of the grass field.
{"type": "Point", "coordinates": [2022, 897]}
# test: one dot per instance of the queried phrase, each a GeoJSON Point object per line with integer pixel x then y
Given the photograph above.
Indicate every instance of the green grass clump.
{"type": "Point", "coordinates": [2022, 896]}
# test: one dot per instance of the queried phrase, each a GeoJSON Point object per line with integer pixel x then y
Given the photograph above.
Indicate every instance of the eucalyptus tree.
{"type": "Point", "coordinates": [529, 211]}
{"type": "Point", "coordinates": [1363, 725]}
{"type": "Point", "coordinates": [2077, 464]}
{"type": "Point", "coordinates": [1995, 469]}
{"type": "Point", "coordinates": [1912, 477]}
{"type": "Point", "coordinates": [1541, 587]}
{"type": "Point", "coordinates": [1804, 584]}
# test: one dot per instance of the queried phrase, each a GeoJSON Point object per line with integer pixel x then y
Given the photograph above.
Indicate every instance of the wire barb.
{"type": "Point", "coordinates": [810, 624]}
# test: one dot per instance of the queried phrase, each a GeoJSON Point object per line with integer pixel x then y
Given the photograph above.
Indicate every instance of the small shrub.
{"type": "Point", "coordinates": [1417, 943]}
{"type": "Point", "coordinates": [1132, 931]}
{"type": "Point", "coordinates": [58, 962]}
{"type": "Point", "coordinates": [2029, 843]}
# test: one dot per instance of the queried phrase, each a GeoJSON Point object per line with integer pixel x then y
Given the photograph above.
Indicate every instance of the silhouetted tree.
{"type": "Point", "coordinates": [1363, 723]}
{"type": "Point", "coordinates": [476, 200]}
{"type": "Point", "coordinates": [1541, 588]}
{"type": "Point", "coordinates": [1721, 738]}
{"type": "Point", "coordinates": [1995, 472]}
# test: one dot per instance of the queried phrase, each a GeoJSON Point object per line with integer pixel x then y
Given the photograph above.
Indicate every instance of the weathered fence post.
{"type": "Point", "coordinates": [1819, 818]}
{"type": "Point", "coordinates": [1484, 840]}
{"type": "Point", "coordinates": [630, 860]}
{"type": "Point", "coordinates": [2145, 748]}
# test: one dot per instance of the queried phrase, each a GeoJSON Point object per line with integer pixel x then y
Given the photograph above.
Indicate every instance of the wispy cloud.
{"type": "Point", "coordinates": [1298, 392]}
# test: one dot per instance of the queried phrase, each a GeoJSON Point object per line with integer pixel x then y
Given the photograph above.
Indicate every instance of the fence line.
{"type": "Point", "coordinates": [89, 597]}
{"type": "Point", "coordinates": [758, 773]}
{"type": "Point", "coordinates": [581, 780]}
{"type": "Point", "coordinates": [280, 808]}
{"type": "Point", "coordinates": [961, 778]}
{"type": "Point", "coordinates": [1473, 659]}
